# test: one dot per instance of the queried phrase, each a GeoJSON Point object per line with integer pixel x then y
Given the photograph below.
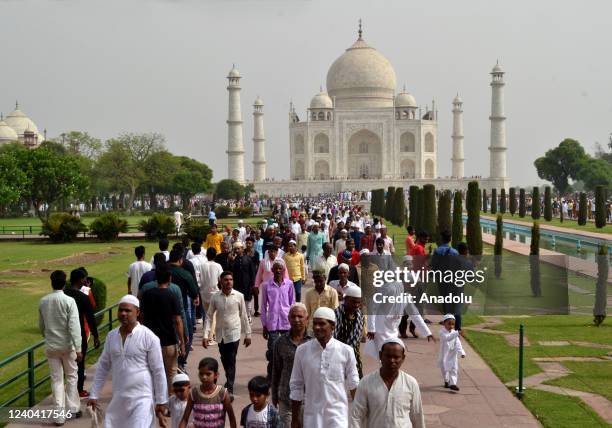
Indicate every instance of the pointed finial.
{"type": "Point", "coordinates": [360, 32]}
{"type": "Point", "coordinates": [16, 105]}
{"type": "Point", "coordinates": [320, 88]}
{"type": "Point", "coordinates": [497, 61]}
{"type": "Point", "coordinates": [404, 88]}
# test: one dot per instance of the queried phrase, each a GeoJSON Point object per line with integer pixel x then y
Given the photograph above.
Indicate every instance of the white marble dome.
{"type": "Point", "coordinates": [321, 100]}
{"type": "Point", "coordinates": [258, 102]}
{"type": "Point", "coordinates": [7, 133]}
{"type": "Point", "coordinates": [361, 77]}
{"type": "Point", "coordinates": [405, 99]}
{"type": "Point", "coordinates": [20, 122]}
{"type": "Point", "coordinates": [234, 72]}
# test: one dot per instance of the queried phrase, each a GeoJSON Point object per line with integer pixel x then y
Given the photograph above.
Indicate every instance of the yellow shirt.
{"type": "Point", "coordinates": [214, 240]}
{"type": "Point", "coordinates": [295, 266]}
{"type": "Point", "coordinates": [314, 300]}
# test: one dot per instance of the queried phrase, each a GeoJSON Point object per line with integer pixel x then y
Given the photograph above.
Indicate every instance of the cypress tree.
{"type": "Point", "coordinates": [444, 211]}
{"type": "Point", "coordinates": [399, 205]}
{"type": "Point", "coordinates": [547, 204]}
{"type": "Point", "coordinates": [534, 260]}
{"type": "Point", "coordinates": [535, 204]}
{"type": "Point", "coordinates": [522, 203]}
{"type": "Point", "coordinates": [601, 298]}
{"type": "Point", "coordinates": [474, 233]}
{"type": "Point", "coordinates": [600, 206]}
{"type": "Point", "coordinates": [373, 202]}
{"type": "Point", "coordinates": [412, 202]}
{"type": "Point", "coordinates": [502, 201]}
{"type": "Point", "coordinates": [485, 202]}
{"type": "Point", "coordinates": [430, 216]}
{"type": "Point", "coordinates": [420, 222]}
{"type": "Point", "coordinates": [582, 209]}
{"type": "Point", "coordinates": [561, 212]}
{"type": "Point", "coordinates": [499, 245]}
{"type": "Point", "coordinates": [512, 201]}
{"type": "Point", "coordinates": [389, 203]}
{"type": "Point", "coordinates": [493, 201]}
{"type": "Point", "coordinates": [457, 232]}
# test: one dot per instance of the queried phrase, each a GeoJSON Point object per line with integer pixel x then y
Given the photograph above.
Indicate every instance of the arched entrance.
{"type": "Point", "coordinates": [321, 170]}
{"type": "Point", "coordinates": [364, 155]}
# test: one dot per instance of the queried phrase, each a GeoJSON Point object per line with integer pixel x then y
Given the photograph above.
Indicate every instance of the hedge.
{"type": "Point", "coordinates": [62, 227]}
{"type": "Point", "coordinates": [158, 226]}
{"type": "Point", "coordinates": [108, 226]}
{"type": "Point", "coordinates": [389, 202]}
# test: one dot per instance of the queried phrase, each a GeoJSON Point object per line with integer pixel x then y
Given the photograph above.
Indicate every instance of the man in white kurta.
{"type": "Point", "coordinates": [132, 353]}
{"type": "Point", "coordinates": [384, 317]}
{"type": "Point", "coordinates": [323, 369]}
{"type": "Point", "coordinates": [388, 397]}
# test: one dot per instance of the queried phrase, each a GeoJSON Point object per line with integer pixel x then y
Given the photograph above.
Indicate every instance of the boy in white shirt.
{"type": "Point", "coordinates": [450, 348]}
{"type": "Point", "coordinates": [137, 270]}
{"type": "Point", "coordinates": [181, 387]}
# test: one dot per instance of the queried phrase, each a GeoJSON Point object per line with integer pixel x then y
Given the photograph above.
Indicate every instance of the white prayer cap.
{"type": "Point", "coordinates": [368, 225]}
{"type": "Point", "coordinates": [393, 340]}
{"type": "Point", "coordinates": [180, 378]}
{"type": "Point", "coordinates": [325, 313]}
{"type": "Point", "coordinates": [344, 266]}
{"type": "Point", "coordinates": [292, 241]}
{"type": "Point", "coordinates": [377, 226]}
{"type": "Point", "coordinates": [270, 226]}
{"type": "Point", "coordinates": [353, 291]}
{"type": "Point", "coordinates": [364, 251]}
{"type": "Point", "coordinates": [275, 224]}
{"type": "Point", "coordinates": [238, 244]}
{"type": "Point", "coordinates": [240, 221]}
{"type": "Point", "coordinates": [132, 300]}
{"type": "Point", "coordinates": [407, 258]}
{"type": "Point", "coordinates": [448, 317]}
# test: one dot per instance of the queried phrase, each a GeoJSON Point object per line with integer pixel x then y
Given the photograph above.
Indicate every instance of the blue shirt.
{"type": "Point", "coordinates": [445, 250]}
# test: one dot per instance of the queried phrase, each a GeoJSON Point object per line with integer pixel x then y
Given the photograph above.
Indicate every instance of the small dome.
{"type": "Point", "coordinates": [321, 100]}
{"type": "Point", "coordinates": [497, 69]}
{"type": "Point", "coordinates": [234, 72]}
{"type": "Point", "coordinates": [20, 122]}
{"type": "Point", "coordinates": [258, 102]}
{"type": "Point", "coordinates": [7, 133]}
{"type": "Point", "coordinates": [457, 100]}
{"type": "Point", "coordinates": [405, 99]}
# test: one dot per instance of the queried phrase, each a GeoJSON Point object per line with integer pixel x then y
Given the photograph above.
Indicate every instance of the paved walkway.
{"type": "Point", "coordinates": [484, 401]}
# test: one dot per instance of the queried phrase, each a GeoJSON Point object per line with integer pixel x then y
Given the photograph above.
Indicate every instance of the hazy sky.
{"type": "Point", "coordinates": [113, 66]}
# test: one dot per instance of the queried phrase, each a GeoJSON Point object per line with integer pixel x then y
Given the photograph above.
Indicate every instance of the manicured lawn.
{"type": "Point", "coordinates": [35, 221]}
{"type": "Point", "coordinates": [587, 376]}
{"type": "Point", "coordinates": [569, 224]}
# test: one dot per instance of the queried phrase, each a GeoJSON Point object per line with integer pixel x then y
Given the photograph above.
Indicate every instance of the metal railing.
{"type": "Point", "coordinates": [28, 353]}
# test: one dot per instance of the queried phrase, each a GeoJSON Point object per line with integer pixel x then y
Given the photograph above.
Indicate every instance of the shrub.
{"type": "Point", "coordinates": [399, 205]}
{"type": "Point", "coordinates": [493, 201]}
{"type": "Point", "coordinates": [389, 203]}
{"type": "Point", "coordinates": [98, 289]}
{"type": "Point", "coordinates": [600, 206]}
{"type": "Point", "coordinates": [62, 227]}
{"type": "Point", "coordinates": [108, 226]}
{"type": "Point", "coordinates": [499, 244]}
{"type": "Point", "coordinates": [582, 209]}
{"type": "Point", "coordinates": [536, 205]}
{"type": "Point", "coordinates": [430, 217]}
{"type": "Point", "coordinates": [196, 229]}
{"type": "Point", "coordinates": [485, 202]}
{"type": "Point", "coordinates": [502, 201]}
{"type": "Point", "coordinates": [222, 211]}
{"type": "Point", "coordinates": [457, 232]}
{"type": "Point", "coordinates": [158, 226]}
{"type": "Point", "coordinates": [243, 212]}
{"type": "Point", "coordinates": [444, 211]}
{"type": "Point", "coordinates": [522, 203]}
{"type": "Point", "coordinates": [413, 199]}
{"type": "Point", "coordinates": [547, 204]}
{"type": "Point", "coordinates": [474, 233]}
{"type": "Point", "coordinates": [512, 201]}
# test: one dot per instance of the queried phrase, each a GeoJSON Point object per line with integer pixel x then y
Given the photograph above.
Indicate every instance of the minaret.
{"type": "Point", "coordinates": [235, 147]}
{"type": "Point", "coordinates": [259, 142]}
{"type": "Point", "coordinates": [458, 171]}
{"type": "Point", "coordinates": [498, 125]}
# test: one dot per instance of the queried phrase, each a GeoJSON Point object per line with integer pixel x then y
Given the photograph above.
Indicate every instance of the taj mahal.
{"type": "Point", "coordinates": [362, 134]}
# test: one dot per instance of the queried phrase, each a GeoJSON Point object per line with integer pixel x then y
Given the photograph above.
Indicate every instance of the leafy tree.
{"type": "Point", "coordinates": [191, 178]}
{"type": "Point", "coordinates": [536, 205]}
{"type": "Point", "coordinates": [547, 204]}
{"type": "Point", "coordinates": [502, 201]}
{"type": "Point", "coordinates": [159, 170]}
{"type": "Point", "coordinates": [582, 209]}
{"type": "Point", "coordinates": [457, 232]}
{"type": "Point", "coordinates": [596, 172]}
{"type": "Point", "coordinates": [512, 201]}
{"type": "Point", "coordinates": [600, 206]}
{"type": "Point", "coordinates": [80, 143]}
{"type": "Point", "coordinates": [473, 230]}
{"type": "Point", "coordinates": [228, 189]}
{"type": "Point", "coordinates": [13, 181]}
{"type": "Point", "coordinates": [561, 164]}
{"type": "Point", "coordinates": [413, 197]}
{"type": "Point", "coordinates": [493, 201]}
{"type": "Point", "coordinates": [522, 203]}
{"type": "Point", "coordinates": [484, 201]}
{"type": "Point", "coordinates": [430, 218]}
{"type": "Point", "coordinates": [444, 211]}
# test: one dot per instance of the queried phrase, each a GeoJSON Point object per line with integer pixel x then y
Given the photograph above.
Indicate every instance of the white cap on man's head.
{"type": "Point", "coordinates": [132, 300]}
{"type": "Point", "coordinates": [377, 226]}
{"type": "Point", "coordinates": [448, 317]}
{"type": "Point", "coordinates": [364, 251]}
{"type": "Point", "coordinates": [325, 313]}
{"type": "Point", "coordinates": [396, 340]}
{"type": "Point", "coordinates": [238, 244]}
{"type": "Point", "coordinates": [180, 378]}
{"type": "Point", "coordinates": [353, 291]}
{"type": "Point", "coordinates": [344, 267]}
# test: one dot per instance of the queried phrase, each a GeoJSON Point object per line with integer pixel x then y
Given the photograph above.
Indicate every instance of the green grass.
{"type": "Point", "coordinates": [35, 221]}
{"type": "Point", "coordinates": [568, 224]}
{"type": "Point", "coordinates": [587, 376]}
{"type": "Point", "coordinates": [558, 411]}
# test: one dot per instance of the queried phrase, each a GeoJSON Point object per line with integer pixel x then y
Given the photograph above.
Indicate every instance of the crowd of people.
{"type": "Point", "coordinates": [221, 283]}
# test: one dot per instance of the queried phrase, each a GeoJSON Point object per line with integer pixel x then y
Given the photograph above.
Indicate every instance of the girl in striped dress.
{"type": "Point", "coordinates": [209, 402]}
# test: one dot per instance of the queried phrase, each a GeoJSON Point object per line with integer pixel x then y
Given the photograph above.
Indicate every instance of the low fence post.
{"type": "Point", "coordinates": [520, 390]}
{"type": "Point", "coordinates": [31, 389]}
